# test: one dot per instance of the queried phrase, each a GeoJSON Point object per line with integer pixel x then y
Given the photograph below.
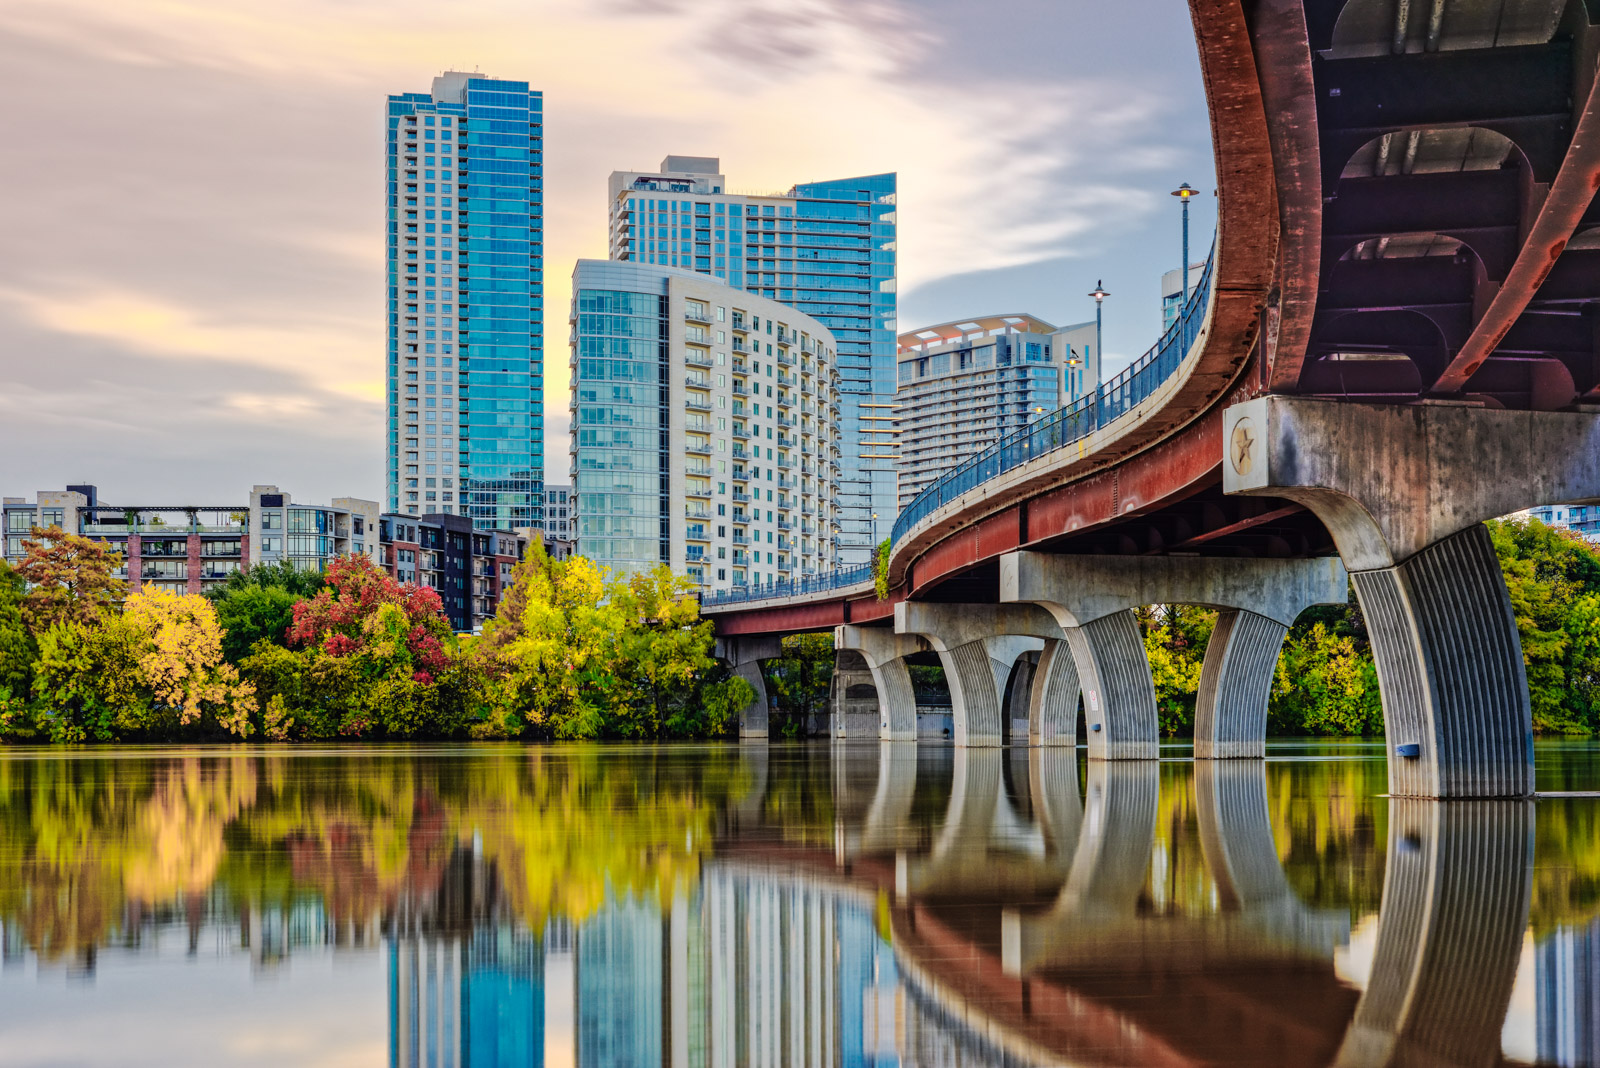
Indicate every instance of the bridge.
{"type": "Point", "coordinates": [1396, 337]}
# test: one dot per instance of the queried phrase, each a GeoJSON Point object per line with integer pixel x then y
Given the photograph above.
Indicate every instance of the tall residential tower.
{"type": "Point", "coordinates": [465, 432]}
{"type": "Point", "coordinates": [824, 248]}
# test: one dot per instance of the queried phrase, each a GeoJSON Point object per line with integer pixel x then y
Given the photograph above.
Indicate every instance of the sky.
{"type": "Point", "coordinates": [192, 210]}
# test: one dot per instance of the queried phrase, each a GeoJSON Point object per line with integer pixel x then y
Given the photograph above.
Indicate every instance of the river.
{"type": "Point", "coordinates": [861, 904]}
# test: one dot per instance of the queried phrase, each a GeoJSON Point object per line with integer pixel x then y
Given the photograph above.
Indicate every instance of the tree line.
{"type": "Point", "coordinates": [575, 652]}
{"type": "Point", "coordinates": [280, 654]}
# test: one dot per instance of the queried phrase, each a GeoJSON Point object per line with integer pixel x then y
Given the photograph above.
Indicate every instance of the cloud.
{"type": "Point", "coordinates": [205, 179]}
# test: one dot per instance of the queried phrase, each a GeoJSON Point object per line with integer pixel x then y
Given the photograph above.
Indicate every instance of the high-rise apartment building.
{"type": "Point", "coordinates": [1172, 292]}
{"type": "Point", "coordinates": [465, 433]}
{"type": "Point", "coordinates": [964, 385]}
{"type": "Point", "coordinates": [824, 248]}
{"type": "Point", "coordinates": [704, 428]}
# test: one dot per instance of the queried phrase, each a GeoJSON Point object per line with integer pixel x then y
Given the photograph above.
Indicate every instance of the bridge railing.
{"type": "Point", "coordinates": [1061, 428]}
{"type": "Point", "coordinates": [1068, 425]}
{"type": "Point", "coordinates": [823, 583]}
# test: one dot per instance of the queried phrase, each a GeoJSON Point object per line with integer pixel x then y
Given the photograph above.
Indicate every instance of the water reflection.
{"type": "Point", "coordinates": [846, 905]}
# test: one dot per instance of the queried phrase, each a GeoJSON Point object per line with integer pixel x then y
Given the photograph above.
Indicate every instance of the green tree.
{"type": "Point", "coordinates": [18, 648]}
{"type": "Point", "coordinates": [801, 677]}
{"type": "Point", "coordinates": [1175, 638]}
{"type": "Point", "coordinates": [1325, 684]}
{"type": "Point", "coordinates": [257, 604]}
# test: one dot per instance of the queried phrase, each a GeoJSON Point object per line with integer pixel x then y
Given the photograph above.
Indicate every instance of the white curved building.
{"type": "Point", "coordinates": [705, 428]}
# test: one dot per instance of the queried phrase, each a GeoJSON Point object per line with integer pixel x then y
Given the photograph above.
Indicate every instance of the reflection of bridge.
{"type": "Point", "coordinates": [1394, 340]}
{"type": "Point", "coordinates": [1060, 954]}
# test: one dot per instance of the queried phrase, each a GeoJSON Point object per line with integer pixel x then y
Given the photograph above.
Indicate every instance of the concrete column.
{"type": "Point", "coordinates": [978, 645]}
{"type": "Point", "coordinates": [1456, 892]}
{"type": "Point", "coordinates": [743, 656]}
{"type": "Point", "coordinates": [853, 697]}
{"type": "Point", "coordinates": [1404, 491]}
{"type": "Point", "coordinates": [1053, 700]}
{"type": "Point", "coordinates": [885, 653]}
{"type": "Point", "coordinates": [1450, 667]}
{"type": "Point", "coordinates": [1119, 693]}
{"type": "Point", "coordinates": [1019, 700]}
{"type": "Point", "coordinates": [1230, 710]}
{"type": "Point", "coordinates": [1091, 598]}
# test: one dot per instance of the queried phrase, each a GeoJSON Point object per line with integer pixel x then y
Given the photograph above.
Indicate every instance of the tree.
{"type": "Point", "coordinates": [801, 677]}
{"type": "Point", "coordinates": [1175, 639]}
{"type": "Point", "coordinates": [182, 660]}
{"type": "Point", "coordinates": [88, 682]}
{"type": "Point", "coordinates": [1324, 684]}
{"type": "Point", "coordinates": [18, 648]}
{"type": "Point", "coordinates": [349, 614]}
{"type": "Point", "coordinates": [72, 578]}
{"type": "Point", "coordinates": [257, 604]}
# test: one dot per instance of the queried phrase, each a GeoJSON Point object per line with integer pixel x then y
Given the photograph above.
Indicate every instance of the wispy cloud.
{"type": "Point", "coordinates": [204, 185]}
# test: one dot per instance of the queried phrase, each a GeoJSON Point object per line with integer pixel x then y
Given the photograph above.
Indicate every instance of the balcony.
{"type": "Point", "coordinates": [696, 511]}
{"type": "Point", "coordinates": [699, 448]}
{"type": "Point", "coordinates": [739, 452]}
{"type": "Point", "coordinates": [741, 497]}
{"type": "Point", "coordinates": [785, 360]}
{"type": "Point", "coordinates": [697, 358]}
{"type": "Point", "coordinates": [741, 539]}
{"type": "Point", "coordinates": [697, 470]}
{"type": "Point", "coordinates": [697, 381]}
{"type": "Point", "coordinates": [695, 314]}
{"type": "Point", "coordinates": [697, 404]}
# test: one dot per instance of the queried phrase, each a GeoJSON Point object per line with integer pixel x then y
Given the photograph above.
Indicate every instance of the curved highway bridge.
{"type": "Point", "coordinates": [1397, 336]}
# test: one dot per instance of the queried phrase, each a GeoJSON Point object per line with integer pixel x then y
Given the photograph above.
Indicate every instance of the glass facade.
{"type": "Point", "coordinates": [465, 431]}
{"type": "Point", "coordinates": [824, 248]}
{"type": "Point", "coordinates": [622, 474]}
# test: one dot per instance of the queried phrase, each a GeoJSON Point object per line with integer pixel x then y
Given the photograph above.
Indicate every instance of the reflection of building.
{"type": "Point", "coordinates": [963, 385]}
{"type": "Point", "coordinates": [825, 248]}
{"type": "Point", "coordinates": [1567, 976]}
{"type": "Point", "coordinates": [619, 980]}
{"type": "Point", "coordinates": [476, 1002]}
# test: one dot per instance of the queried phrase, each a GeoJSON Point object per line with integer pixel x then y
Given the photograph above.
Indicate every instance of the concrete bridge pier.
{"type": "Point", "coordinates": [884, 653]}
{"type": "Point", "coordinates": [1404, 491]}
{"type": "Point", "coordinates": [743, 656]}
{"type": "Point", "coordinates": [978, 644]}
{"type": "Point", "coordinates": [1091, 598]}
{"type": "Point", "coordinates": [1456, 893]}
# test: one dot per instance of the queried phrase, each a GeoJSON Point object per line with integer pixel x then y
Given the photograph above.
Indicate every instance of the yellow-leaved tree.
{"type": "Point", "coordinates": [182, 659]}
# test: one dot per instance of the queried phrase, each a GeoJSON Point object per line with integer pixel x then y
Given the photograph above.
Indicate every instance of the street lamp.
{"type": "Point", "coordinates": [1183, 193]}
{"type": "Point", "coordinates": [1099, 296]}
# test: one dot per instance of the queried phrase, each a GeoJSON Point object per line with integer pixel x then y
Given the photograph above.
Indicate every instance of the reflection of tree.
{"type": "Point", "coordinates": [89, 846]}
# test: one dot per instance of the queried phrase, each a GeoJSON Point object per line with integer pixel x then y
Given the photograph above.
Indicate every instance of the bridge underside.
{"type": "Point", "coordinates": [1403, 341]}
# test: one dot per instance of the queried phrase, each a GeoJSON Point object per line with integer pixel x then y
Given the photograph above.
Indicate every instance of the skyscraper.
{"type": "Point", "coordinates": [466, 301]}
{"type": "Point", "coordinates": [824, 248]}
{"type": "Point", "coordinates": [965, 385]}
{"type": "Point", "coordinates": [704, 428]}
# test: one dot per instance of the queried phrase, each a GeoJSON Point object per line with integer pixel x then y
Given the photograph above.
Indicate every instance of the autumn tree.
{"type": "Point", "coordinates": [69, 577]}
{"type": "Point", "coordinates": [182, 662]}
{"type": "Point", "coordinates": [347, 616]}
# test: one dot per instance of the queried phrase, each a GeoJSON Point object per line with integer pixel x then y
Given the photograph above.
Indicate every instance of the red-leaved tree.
{"type": "Point", "coordinates": [362, 610]}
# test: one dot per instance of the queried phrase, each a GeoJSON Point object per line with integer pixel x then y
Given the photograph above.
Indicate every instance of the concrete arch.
{"type": "Point", "coordinates": [884, 653]}
{"type": "Point", "coordinates": [1092, 598]}
{"type": "Point", "coordinates": [743, 657]}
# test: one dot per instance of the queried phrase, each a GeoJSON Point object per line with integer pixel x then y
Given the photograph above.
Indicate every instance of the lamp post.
{"type": "Point", "coordinates": [1183, 193]}
{"type": "Point", "coordinates": [1099, 296]}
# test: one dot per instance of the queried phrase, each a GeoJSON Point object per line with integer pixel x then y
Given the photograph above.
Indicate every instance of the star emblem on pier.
{"type": "Point", "coordinates": [1243, 446]}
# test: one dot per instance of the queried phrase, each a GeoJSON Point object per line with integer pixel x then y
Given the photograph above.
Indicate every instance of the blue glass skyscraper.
{"type": "Point", "coordinates": [465, 429]}
{"type": "Point", "coordinates": [823, 248]}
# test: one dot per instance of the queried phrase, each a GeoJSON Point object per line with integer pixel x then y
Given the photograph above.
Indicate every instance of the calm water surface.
{"type": "Point", "coordinates": [798, 905]}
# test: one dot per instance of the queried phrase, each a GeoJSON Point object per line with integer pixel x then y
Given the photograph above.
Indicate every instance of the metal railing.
{"type": "Point", "coordinates": [1069, 425]}
{"type": "Point", "coordinates": [1064, 427]}
{"type": "Point", "coordinates": [823, 583]}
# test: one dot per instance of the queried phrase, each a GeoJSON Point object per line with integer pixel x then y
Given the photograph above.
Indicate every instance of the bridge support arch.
{"type": "Point", "coordinates": [885, 655]}
{"type": "Point", "coordinates": [743, 656]}
{"type": "Point", "coordinates": [1404, 491]}
{"type": "Point", "coordinates": [978, 645]}
{"type": "Point", "coordinates": [1091, 598]}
